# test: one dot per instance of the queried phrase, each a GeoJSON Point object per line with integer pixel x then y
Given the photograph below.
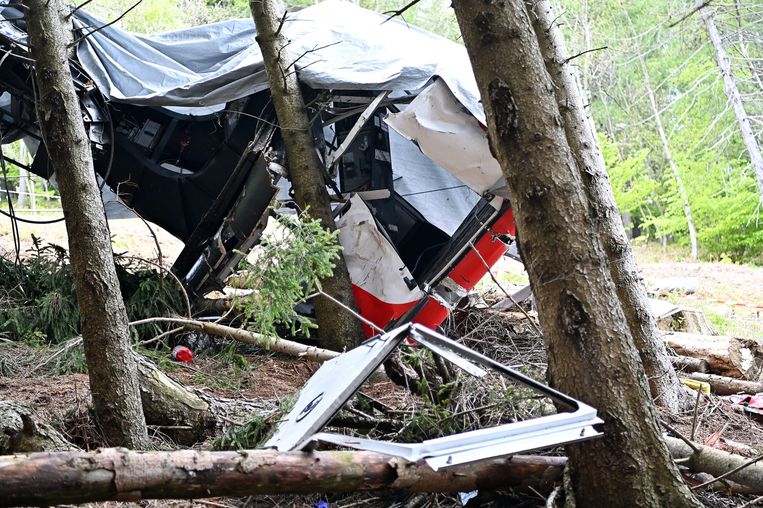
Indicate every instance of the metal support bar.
{"type": "Point", "coordinates": [334, 156]}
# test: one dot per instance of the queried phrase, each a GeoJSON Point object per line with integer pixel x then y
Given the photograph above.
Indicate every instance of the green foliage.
{"type": "Point", "coordinates": [38, 296]}
{"type": "Point", "coordinates": [38, 304]}
{"type": "Point", "coordinates": [287, 269]}
{"type": "Point", "coordinates": [255, 431]}
{"type": "Point", "coordinates": [702, 131]}
{"type": "Point", "coordinates": [245, 437]}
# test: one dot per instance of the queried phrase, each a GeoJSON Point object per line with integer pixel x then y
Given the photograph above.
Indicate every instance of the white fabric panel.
{"type": "Point", "coordinates": [373, 263]}
{"type": "Point", "coordinates": [450, 136]}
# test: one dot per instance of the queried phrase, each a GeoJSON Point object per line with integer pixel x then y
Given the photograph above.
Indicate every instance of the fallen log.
{"type": "Point", "coordinates": [123, 475]}
{"type": "Point", "coordinates": [721, 385]}
{"type": "Point", "coordinates": [726, 356]}
{"type": "Point", "coordinates": [717, 462]}
{"type": "Point", "coordinates": [689, 364]}
{"type": "Point", "coordinates": [275, 344]}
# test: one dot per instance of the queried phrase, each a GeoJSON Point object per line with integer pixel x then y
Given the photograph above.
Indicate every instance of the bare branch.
{"type": "Point", "coordinates": [401, 11]}
{"type": "Point", "coordinates": [690, 13]}
{"type": "Point", "coordinates": [583, 53]}
{"type": "Point", "coordinates": [80, 6]}
{"type": "Point", "coordinates": [107, 24]}
{"type": "Point", "coordinates": [728, 473]}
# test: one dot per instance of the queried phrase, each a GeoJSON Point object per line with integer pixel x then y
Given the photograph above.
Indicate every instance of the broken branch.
{"type": "Point", "coordinates": [274, 344]}
{"type": "Point", "coordinates": [91, 32]}
{"type": "Point", "coordinates": [718, 463]}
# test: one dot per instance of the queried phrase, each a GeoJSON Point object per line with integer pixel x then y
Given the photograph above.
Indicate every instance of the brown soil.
{"type": "Point", "coordinates": [718, 282]}
{"type": "Point", "coordinates": [51, 396]}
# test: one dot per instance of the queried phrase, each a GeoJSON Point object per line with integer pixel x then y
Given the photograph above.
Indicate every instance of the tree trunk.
{"type": "Point", "coordinates": [730, 87]}
{"type": "Point", "coordinates": [23, 188]}
{"type": "Point", "coordinates": [111, 367]}
{"type": "Point", "coordinates": [338, 329]}
{"type": "Point", "coordinates": [581, 136]}
{"type": "Point", "coordinates": [664, 140]}
{"type": "Point", "coordinates": [119, 474]}
{"type": "Point", "coordinates": [189, 416]}
{"type": "Point", "coordinates": [591, 351]}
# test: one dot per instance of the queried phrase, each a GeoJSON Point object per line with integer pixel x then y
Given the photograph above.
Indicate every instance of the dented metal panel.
{"type": "Point", "coordinates": [336, 381]}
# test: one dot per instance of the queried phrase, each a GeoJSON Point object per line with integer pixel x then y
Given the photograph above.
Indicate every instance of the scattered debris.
{"type": "Point", "coordinates": [752, 404]}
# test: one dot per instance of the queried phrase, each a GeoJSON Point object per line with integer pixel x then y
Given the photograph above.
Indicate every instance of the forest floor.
{"type": "Point", "coordinates": [728, 294]}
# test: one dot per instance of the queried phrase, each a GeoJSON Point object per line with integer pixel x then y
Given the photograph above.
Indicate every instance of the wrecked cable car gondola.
{"type": "Point", "coordinates": [183, 131]}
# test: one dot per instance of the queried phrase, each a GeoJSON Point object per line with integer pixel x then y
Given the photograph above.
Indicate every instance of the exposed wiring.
{"type": "Point", "coordinates": [12, 215]}
{"type": "Point", "coordinates": [433, 190]}
{"type": "Point", "coordinates": [14, 224]}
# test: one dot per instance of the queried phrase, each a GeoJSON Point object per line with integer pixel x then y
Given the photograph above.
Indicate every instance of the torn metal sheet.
{"type": "Point", "coordinates": [449, 135]}
{"type": "Point", "coordinates": [383, 285]}
{"type": "Point", "coordinates": [514, 300]}
{"type": "Point", "coordinates": [330, 387]}
{"type": "Point", "coordinates": [336, 381]}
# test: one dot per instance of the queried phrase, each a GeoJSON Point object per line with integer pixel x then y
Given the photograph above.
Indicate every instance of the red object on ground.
{"type": "Point", "coordinates": [182, 354]}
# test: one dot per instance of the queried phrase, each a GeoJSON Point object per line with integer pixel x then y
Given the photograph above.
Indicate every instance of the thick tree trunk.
{"type": "Point", "coordinates": [581, 136]}
{"type": "Point", "coordinates": [338, 329]}
{"type": "Point", "coordinates": [591, 351]}
{"type": "Point", "coordinates": [111, 367]}
{"type": "Point", "coordinates": [118, 474]}
{"type": "Point", "coordinates": [664, 140]}
{"type": "Point", "coordinates": [730, 87]}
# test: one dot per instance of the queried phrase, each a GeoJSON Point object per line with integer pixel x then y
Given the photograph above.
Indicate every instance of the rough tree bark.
{"type": "Point", "coordinates": [730, 87]}
{"type": "Point", "coordinates": [591, 351]}
{"type": "Point", "coordinates": [123, 475]}
{"type": "Point", "coordinates": [581, 136]}
{"type": "Point", "coordinates": [111, 366]}
{"type": "Point", "coordinates": [22, 431]}
{"type": "Point", "coordinates": [664, 140]}
{"type": "Point", "coordinates": [337, 329]}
